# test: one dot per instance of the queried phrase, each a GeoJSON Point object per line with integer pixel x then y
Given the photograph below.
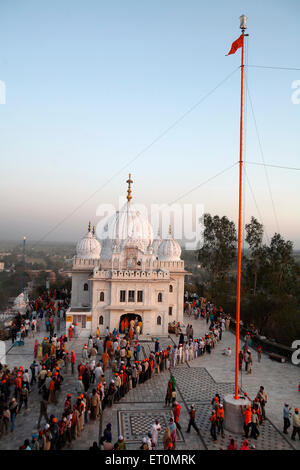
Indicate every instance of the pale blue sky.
{"type": "Point", "coordinates": [90, 84]}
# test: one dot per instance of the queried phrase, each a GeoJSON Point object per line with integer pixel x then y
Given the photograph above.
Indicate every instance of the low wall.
{"type": "Point", "coordinates": [267, 345]}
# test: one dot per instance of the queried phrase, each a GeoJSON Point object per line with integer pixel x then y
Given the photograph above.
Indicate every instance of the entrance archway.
{"type": "Point", "coordinates": [125, 321]}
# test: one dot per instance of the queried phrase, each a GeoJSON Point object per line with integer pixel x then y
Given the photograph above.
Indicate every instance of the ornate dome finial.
{"type": "Point", "coordinates": [170, 229]}
{"type": "Point", "coordinates": [89, 227]}
{"type": "Point", "coordinates": [129, 181]}
{"type": "Point", "coordinates": [93, 231]}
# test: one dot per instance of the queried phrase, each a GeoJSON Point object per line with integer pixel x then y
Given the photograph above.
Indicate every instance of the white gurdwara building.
{"type": "Point", "coordinates": [129, 274]}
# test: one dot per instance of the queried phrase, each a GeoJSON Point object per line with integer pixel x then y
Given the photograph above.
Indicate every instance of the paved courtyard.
{"type": "Point", "coordinates": [197, 382]}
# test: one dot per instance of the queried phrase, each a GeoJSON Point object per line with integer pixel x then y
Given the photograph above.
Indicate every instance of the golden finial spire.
{"type": "Point", "coordinates": [170, 229]}
{"type": "Point", "coordinates": [129, 181]}
{"type": "Point", "coordinates": [89, 227]}
{"type": "Point", "coordinates": [93, 230]}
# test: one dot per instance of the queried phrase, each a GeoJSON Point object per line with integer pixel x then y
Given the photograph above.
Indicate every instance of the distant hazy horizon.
{"type": "Point", "coordinates": [91, 86]}
{"type": "Point", "coordinates": [36, 244]}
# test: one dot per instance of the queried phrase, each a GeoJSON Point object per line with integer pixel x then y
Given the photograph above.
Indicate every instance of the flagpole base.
{"type": "Point", "coordinates": [234, 419]}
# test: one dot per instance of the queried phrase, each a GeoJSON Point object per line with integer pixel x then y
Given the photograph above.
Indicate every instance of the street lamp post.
{"type": "Point", "coordinates": [23, 265]}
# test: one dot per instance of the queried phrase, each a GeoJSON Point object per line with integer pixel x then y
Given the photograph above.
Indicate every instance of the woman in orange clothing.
{"type": "Point", "coordinates": [104, 360]}
{"type": "Point", "coordinates": [109, 349]}
{"type": "Point", "coordinates": [168, 444]}
{"type": "Point", "coordinates": [131, 334]}
{"type": "Point", "coordinates": [220, 419]}
{"type": "Point", "coordinates": [109, 345]}
{"type": "Point", "coordinates": [45, 358]}
{"type": "Point", "coordinates": [52, 398]}
{"type": "Point", "coordinates": [245, 445]}
{"type": "Point", "coordinates": [18, 386]}
{"type": "Point", "coordinates": [176, 413]}
{"type": "Point", "coordinates": [73, 359]}
{"type": "Point", "coordinates": [52, 349]}
{"type": "Point", "coordinates": [248, 416]}
{"type": "Point", "coordinates": [70, 332]}
{"type": "Point", "coordinates": [213, 425]}
{"type": "Point", "coordinates": [35, 349]}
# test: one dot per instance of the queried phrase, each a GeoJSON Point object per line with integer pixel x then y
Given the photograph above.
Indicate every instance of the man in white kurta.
{"type": "Point", "coordinates": [196, 347]}
{"type": "Point", "coordinates": [174, 356]}
{"type": "Point", "coordinates": [154, 433]}
{"type": "Point", "coordinates": [180, 354]}
{"type": "Point", "coordinates": [187, 350]}
{"type": "Point", "coordinates": [98, 373]}
{"type": "Point", "coordinates": [191, 351]}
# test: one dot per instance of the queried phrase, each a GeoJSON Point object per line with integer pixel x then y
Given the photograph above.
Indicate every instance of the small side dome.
{"type": "Point", "coordinates": [169, 249]}
{"type": "Point", "coordinates": [88, 247]}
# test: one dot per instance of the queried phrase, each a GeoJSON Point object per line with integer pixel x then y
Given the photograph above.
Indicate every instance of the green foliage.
{"type": "Point", "coordinates": [254, 236]}
{"type": "Point", "coordinates": [270, 277]}
{"type": "Point", "coordinates": [194, 288]}
{"type": "Point", "coordinates": [219, 248]}
{"type": "Point", "coordinates": [10, 286]}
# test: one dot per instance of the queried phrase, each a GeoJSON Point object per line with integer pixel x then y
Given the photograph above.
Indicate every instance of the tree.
{"type": "Point", "coordinates": [282, 264]}
{"type": "Point", "coordinates": [271, 277]}
{"type": "Point", "coordinates": [254, 231]}
{"type": "Point", "coordinates": [274, 308]}
{"type": "Point", "coordinates": [254, 236]}
{"type": "Point", "coordinates": [219, 248]}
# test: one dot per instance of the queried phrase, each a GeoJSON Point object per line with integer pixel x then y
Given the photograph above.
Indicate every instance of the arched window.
{"type": "Point", "coordinates": [159, 297]}
{"type": "Point", "coordinates": [170, 288]}
{"type": "Point", "coordinates": [101, 320]}
{"type": "Point", "coordinates": [158, 321]}
{"type": "Point", "coordinates": [86, 286]}
{"type": "Point", "coordinates": [101, 296]}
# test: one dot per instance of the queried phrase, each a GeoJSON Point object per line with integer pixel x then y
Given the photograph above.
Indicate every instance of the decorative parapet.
{"type": "Point", "coordinates": [79, 263]}
{"type": "Point", "coordinates": [128, 274]}
{"type": "Point", "coordinates": [131, 274]}
{"type": "Point", "coordinates": [170, 265]}
{"type": "Point", "coordinates": [148, 265]}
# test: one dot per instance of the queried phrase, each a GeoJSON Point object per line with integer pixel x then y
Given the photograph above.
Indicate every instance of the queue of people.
{"type": "Point", "coordinates": [93, 392]}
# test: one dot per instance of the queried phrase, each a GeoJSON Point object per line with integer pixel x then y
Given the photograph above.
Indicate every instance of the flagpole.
{"type": "Point", "coordinates": [239, 257]}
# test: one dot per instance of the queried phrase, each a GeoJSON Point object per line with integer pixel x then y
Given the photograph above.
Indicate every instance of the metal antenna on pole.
{"type": "Point", "coordinates": [23, 265]}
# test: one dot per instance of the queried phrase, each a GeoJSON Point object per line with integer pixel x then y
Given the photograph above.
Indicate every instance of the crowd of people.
{"type": "Point", "coordinates": [46, 370]}
{"type": "Point", "coordinates": [45, 308]}
{"type": "Point", "coordinates": [122, 355]}
{"type": "Point", "coordinates": [119, 358]}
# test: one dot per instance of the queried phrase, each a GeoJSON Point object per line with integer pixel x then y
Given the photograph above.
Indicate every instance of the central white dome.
{"type": "Point", "coordinates": [128, 227]}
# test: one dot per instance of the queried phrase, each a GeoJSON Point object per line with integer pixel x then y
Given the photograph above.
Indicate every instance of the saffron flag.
{"type": "Point", "coordinates": [236, 45]}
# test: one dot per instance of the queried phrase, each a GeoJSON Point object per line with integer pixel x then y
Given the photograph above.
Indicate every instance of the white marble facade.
{"type": "Point", "coordinates": [129, 272]}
